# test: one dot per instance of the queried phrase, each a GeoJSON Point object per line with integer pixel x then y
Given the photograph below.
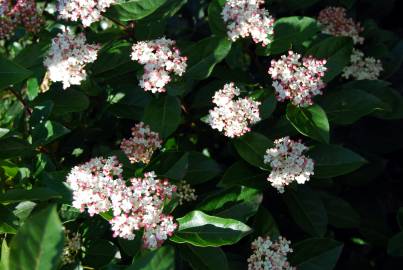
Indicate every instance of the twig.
{"type": "Point", "coordinates": [21, 99]}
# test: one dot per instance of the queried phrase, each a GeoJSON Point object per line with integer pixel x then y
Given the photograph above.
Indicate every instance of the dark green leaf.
{"type": "Point", "coordinates": [99, 253]}
{"type": "Point", "coordinates": [395, 245]}
{"type": "Point", "coordinates": [204, 258]}
{"type": "Point", "coordinates": [200, 168]}
{"type": "Point", "coordinates": [243, 174]}
{"type": "Point", "coordinates": [65, 101]}
{"type": "Point", "coordinates": [334, 160]}
{"type": "Point", "coordinates": [252, 148]}
{"type": "Point", "coordinates": [35, 194]}
{"type": "Point", "coordinates": [38, 244]}
{"type": "Point", "coordinates": [341, 214]}
{"type": "Point", "coordinates": [11, 73]}
{"type": "Point", "coordinates": [8, 221]}
{"type": "Point", "coordinates": [311, 121]}
{"type": "Point", "coordinates": [161, 259]}
{"type": "Point", "coordinates": [128, 10]}
{"type": "Point", "coordinates": [400, 217]}
{"type": "Point", "coordinates": [264, 225]}
{"type": "Point", "coordinates": [215, 20]}
{"type": "Point", "coordinates": [13, 147]}
{"type": "Point", "coordinates": [199, 229]}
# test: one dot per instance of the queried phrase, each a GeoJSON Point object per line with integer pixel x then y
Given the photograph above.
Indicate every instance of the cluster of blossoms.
{"type": "Point", "coordinates": [98, 186]}
{"type": "Point", "coordinates": [160, 57]}
{"type": "Point", "coordinates": [246, 18]}
{"type": "Point", "coordinates": [67, 58]}
{"type": "Point", "coordinates": [72, 246]}
{"type": "Point", "coordinates": [296, 80]}
{"type": "Point", "coordinates": [233, 116]}
{"type": "Point", "coordinates": [23, 12]}
{"type": "Point", "coordinates": [88, 11]}
{"type": "Point", "coordinates": [362, 68]}
{"type": "Point", "coordinates": [336, 23]}
{"type": "Point", "coordinates": [288, 163]}
{"type": "Point", "coordinates": [185, 193]}
{"type": "Point", "coordinates": [269, 255]}
{"type": "Point", "coordinates": [141, 146]}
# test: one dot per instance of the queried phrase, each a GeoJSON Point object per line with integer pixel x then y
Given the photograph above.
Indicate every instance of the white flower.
{"type": "Point", "coordinates": [185, 193]}
{"type": "Point", "coordinates": [68, 57]}
{"type": "Point", "coordinates": [288, 163]}
{"type": "Point", "coordinates": [362, 68]}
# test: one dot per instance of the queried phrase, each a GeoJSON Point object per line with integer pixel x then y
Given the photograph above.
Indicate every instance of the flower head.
{"type": "Point", "coordinates": [336, 23]}
{"type": "Point", "coordinates": [186, 193]}
{"type": "Point", "coordinates": [270, 255]}
{"type": "Point", "coordinates": [233, 116]}
{"type": "Point", "coordinates": [68, 57]}
{"type": "Point", "coordinates": [296, 79]}
{"type": "Point", "coordinates": [160, 58]}
{"type": "Point", "coordinates": [288, 163]}
{"type": "Point", "coordinates": [246, 18]}
{"type": "Point", "coordinates": [141, 146]}
{"type": "Point", "coordinates": [72, 246]}
{"type": "Point", "coordinates": [362, 68]}
{"type": "Point", "coordinates": [88, 11]}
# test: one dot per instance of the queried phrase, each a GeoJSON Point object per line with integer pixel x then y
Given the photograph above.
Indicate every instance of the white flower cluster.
{"type": "Point", "coordinates": [233, 116]}
{"type": "Point", "coordinates": [246, 18]}
{"type": "Point", "coordinates": [296, 80]}
{"type": "Point", "coordinates": [362, 68]}
{"type": "Point", "coordinates": [269, 255]}
{"type": "Point", "coordinates": [141, 146]}
{"type": "Point", "coordinates": [335, 22]}
{"type": "Point", "coordinates": [98, 186]}
{"type": "Point", "coordinates": [160, 57]}
{"type": "Point", "coordinates": [185, 193]}
{"type": "Point", "coordinates": [88, 11]}
{"type": "Point", "coordinates": [68, 57]}
{"type": "Point", "coordinates": [288, 163]}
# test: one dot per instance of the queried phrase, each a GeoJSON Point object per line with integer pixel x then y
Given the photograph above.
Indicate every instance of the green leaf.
{"type": "Point", "coordinates": [334, 160]}
{"type": "Point", "coordinates": [204, 55]}
{"type": "Point", "coordinates": [252, 148]}
{"type": "Point", "coordinates": [341, 214]}
{"type": "Point", "coordinates": [161, 259]}
{"type": "Point", "coordinates": [13, 147]}
{"type": "Point", "coordinates": [38, 244]}
{"type": "Point", "coordinates": [395, 245]}
{"type": "Point", "coordinates": [264, 225]}
{"type": "Point", "coordinates": [311, 121]}
{"type": "Point", "coordinates": [99, 253]}
{"type": "Point", "coordinates": [215, 20]}
{"type": "Point", "coordinates": [238, 203]}
{"type": "Point", "coordinates": [170, 164]}
{"type": "Point", "coordinates": [204, 258]}
{"type": "Point", "coordinates": [11, 73]}
{"type": "Point", "coordinates": [199, 229]}
{"type": "Point", "coordinates": [34, 194]}
{"type": "Point", "coordinates": [307, 210]}
{"type": "Point", "coordinates": [163, 114]}
{"type": "Point", "coordinates": [112, 57]}
{"type": "Point", "coordinates": [242, 174]}
{"type": "Point", "coordinates": [346, 106]}
{"type": "Point", "coordinates": [200, 168]}
{"type": "Point", "coordinates": [48, 132]}
{"type": "Point", "coordinates": [128, 10]}
{"type": "Point", "coordinates": [8, 221]}
{"type": "Point", "coordinates": [336, 51]}
{"type": "Point", "coordinates": [290, 32]}
{"type": "Point", "coordinates": [65, 101]}
{"type": "Point", "coordinates": [316, 253]}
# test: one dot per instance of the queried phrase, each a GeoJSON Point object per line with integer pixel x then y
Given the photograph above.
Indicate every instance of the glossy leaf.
{"type": "Point", "coordinates": [242, 174]}
{"type": "Point", "coordinates": [162, 258]}
{"type": "Point", "coordinates": [204, 258]}
{"type": "Point", "coordinates": [128, 10]}
{"type": "Point", "coordinates": [252, 148]}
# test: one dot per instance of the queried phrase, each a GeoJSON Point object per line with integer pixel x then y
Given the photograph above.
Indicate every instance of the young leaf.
{"type": "Point", "coordinates": [199, 229]}
{"type": "Point", "coordinates": [311, 121]}
{"type": "Point", "coordinates": [334, 160]}
{"type": "Point", "coordinates": [38, 244]}
{"type": "Point", "coordinates": [252, 148]}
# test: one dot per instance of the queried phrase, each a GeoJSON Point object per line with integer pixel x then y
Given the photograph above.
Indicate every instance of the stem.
{"type": "Point", "coordinates": [21, 99]}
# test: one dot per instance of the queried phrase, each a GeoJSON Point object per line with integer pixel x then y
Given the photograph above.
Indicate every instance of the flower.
{"type": "Point", "coordinates": [186, 193]}
{"type": "Point", "coordinates": [233, 116]}
{"type": "Point", "coordinates": [160, 57]}
{"type": "Point", "coordinates": [72, 246]}
{"type": "Point", "coordinates": [296, 80]}
{"type": "Point", "coordinates": [98, 186]}
{"type": "Point", "coordinates": [335, 22]}
{"type": "Point", "coordinates": [141, 146]}
{"type": "Point", "coordinates": [88, 11]}
{"type": "Point", "coordinates": [22, 12]}
{"type": "Point", "coordinates": [68, 57]}
{"type": "Point", "coordinates": [288, 163]}
{"type": "Point", "coordinates": [269, 255]}
{"type": "Point", "coordinates": [245, 18]}
{"type": "Point", "coordinates": [362, 68]}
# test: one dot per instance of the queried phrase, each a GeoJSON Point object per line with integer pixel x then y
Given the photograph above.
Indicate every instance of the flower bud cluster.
{"type": "Point", "coordinates": [336, 23]}
{"type": "Point", "coordinates": [185, 193]}
{"type": "Point", "coordinates": [87, 11]}
{"type": "Point", "coordinates": [98, 186]}
{"type": "Point", "coordinates": [72, 246]}
{"type": "Point", "coordinates": [297, 79]}
{"type": "Point", "coordinates": [270, 255]}
{"type": "Point", "coordinates": [160, 58]}
{"type": "Point", "coordinates": [23, 12]}
{"type": "Point", "coordinates": [362, 68]}
{"type": "Point", "coordinates": [230, 115]}
{"type": "Point", "coordinates": [67, 58]}
{"type": "Point", "coordinates": [246, 18]}
{"type": "Point", "coordinates": [141, 146]}
{"type": "Point", "coordinates": [288, 163]}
